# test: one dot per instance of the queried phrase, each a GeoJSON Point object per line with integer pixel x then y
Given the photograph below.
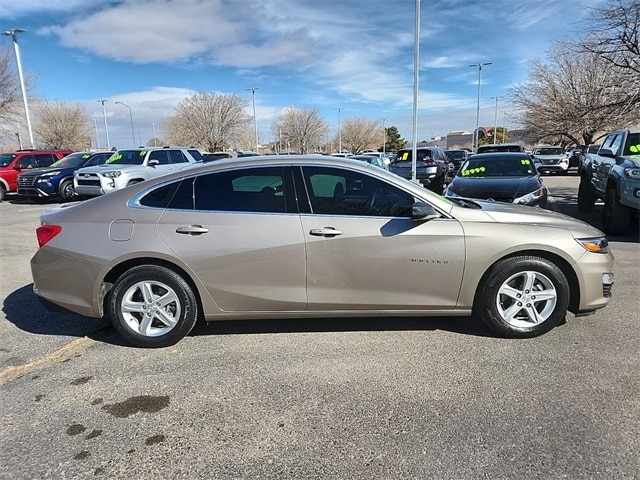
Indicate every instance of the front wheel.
{"type": "Point", "coordinates": [523, 297]}
{"type": "Point", "coordinates": [152, 306]}
{"type": "Point", "coordinates": [615, 216]}
{"type": "Point", "coordinates": [67, 192]}
{"type": "Point", "coordinates": [586, 198]}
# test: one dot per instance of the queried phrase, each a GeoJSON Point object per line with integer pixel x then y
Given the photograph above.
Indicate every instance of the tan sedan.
{"type": "Point", "coordinates": [296, 236]}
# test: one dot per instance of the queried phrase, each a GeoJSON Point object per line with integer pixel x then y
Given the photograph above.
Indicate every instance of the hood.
{"type": "Point", "coordinates": [522, 214]}
{"type": "Point", "coordinates": [41, 171]}
{"type": "Point", "coordinates": [635, 159]}
{"type": "Point", "coordinates": [494, 188]}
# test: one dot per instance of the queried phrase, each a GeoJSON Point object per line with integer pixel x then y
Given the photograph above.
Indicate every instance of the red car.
{"type": "Point", "coordinates": [12, 164]}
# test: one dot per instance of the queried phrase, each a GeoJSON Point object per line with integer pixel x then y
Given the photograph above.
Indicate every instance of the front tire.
{"type": "Point", "coordinates": [523, 297]}
{"type": "Point", "coordinates": [67, 192]}
{"type": "Point", "coordinates": [615, 216]}
{"type": "Point", "coordinates": [586, 198]}
{"type": "Point", "coordinates": [152, 306]}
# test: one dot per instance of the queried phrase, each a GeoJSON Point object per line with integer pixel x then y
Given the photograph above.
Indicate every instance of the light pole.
{"type": "Point", "coordinates": [504, 126]}
{"type": "Point", "coordinates": [495, 122]}
{"type": "Point", "coordinates": [384, 138]}
{"type": "Point", "coordinates": [155, 142]}
{"type": "Point", "coordinates": [95, 124]}
{"type": "Point", "coordinates": [339, 131]}
{"type": "Point", "coordinates": [12, 33]}
{"type": "Point", "coordinates": [255, 119]}
{"type": "Point", "coordinates": [475, 134]}
{"type": "Point", "coordinates": [106, 127]}
{"type": "Point", "coordinates": [133, 135]}
{"type": "Point", "coordinates": [416, 88]}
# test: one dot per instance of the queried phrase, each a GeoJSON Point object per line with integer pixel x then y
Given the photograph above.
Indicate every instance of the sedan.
{"type": "Point", "coordinates": [299, 236]}
{"type": "Point", "coordinates": [503, 177]}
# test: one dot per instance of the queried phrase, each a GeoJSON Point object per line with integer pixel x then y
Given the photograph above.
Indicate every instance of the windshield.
{"type": "Point", "coordinates": [72, 160]}
{"type": "Point", "coordinates": [497, 167]}
{"type": "Point", "coordinates": [127, 157]}
{"type": "Point", "coordinates": [6, 159]}
{"type": "Point", "coordinates": [548, 151]}
{"type": "Point", "coordinates": [633, 144]}
{"type": "Point", "coordinates": [456, 155]}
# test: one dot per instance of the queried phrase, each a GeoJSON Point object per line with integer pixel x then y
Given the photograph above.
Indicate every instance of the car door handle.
{"type": "Point", "coordinates": [325, 232]}
{"type": "Point", "coordinates": [192, 230]}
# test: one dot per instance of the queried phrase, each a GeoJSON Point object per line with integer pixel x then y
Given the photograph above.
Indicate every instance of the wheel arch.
{"type": "Point", "coordinates": [115, 273]}
{"type": "Point", "coordinates": [563, 265]}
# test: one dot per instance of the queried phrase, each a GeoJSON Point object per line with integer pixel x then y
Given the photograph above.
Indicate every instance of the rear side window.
{"type": "Point", "coordinates": [176, 156]}
{"type": "Point", "coordinates": [45, 159]}
{"type": "Point", "coordinates": [197, 156]}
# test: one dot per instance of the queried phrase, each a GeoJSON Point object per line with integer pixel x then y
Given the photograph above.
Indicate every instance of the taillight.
{"type": "Point", "coordinates": [46, 233]}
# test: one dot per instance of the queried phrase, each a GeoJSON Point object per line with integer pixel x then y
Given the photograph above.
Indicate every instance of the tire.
{"type": "Point", "coordinates": [152, 306]}
{"type": "Point", "coordinates": [586, 198]}
{"type": "Point", "coordinates": [67, 192]}
{"type": "Point", "coordinates": [523, 297]}
{"type": "Point", "coordinates": [2, 193]}
{"type": "Point", "coordinates": [615, 216]}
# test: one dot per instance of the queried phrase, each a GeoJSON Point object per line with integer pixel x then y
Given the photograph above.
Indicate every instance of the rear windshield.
{"type": "Point", "coordinates": [499, 148]}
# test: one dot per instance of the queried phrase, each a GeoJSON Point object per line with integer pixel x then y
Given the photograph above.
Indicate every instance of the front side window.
{"type": "Point", "coordinates": [335, 191]}
{"type": "Point", "coordinates": [159, 155]}
{"type": "Point", "coordinates": [27, 161]}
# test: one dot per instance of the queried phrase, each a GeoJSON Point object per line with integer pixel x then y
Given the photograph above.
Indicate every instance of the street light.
{"type": "Point", "coordinates": [133, 135]}
{"type": "Point", "coordinates": [106, 127]}
{"type": "Point", "coordinates": [475, 135]}
{"type": "Point", "coordinates": [255, 119]}
{"type": "Point", "coordinates": [155, 142]}
{"type": "Point", "coordinates": [384, 138]}
{"type": "Point", "coordinates": [339, 130]}
{"type": "Point", "coordinates": [12, 33]}
{"type": "Point", "coordinates": [95, 124]}
{"type": "Point", "coordinates": [416, 88]}
{"type": "Point", "coordinates": [495, 119]}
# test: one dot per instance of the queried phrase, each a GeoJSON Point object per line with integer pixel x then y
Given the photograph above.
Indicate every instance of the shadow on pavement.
{"type": "Point", "coordinates": [23, 309]}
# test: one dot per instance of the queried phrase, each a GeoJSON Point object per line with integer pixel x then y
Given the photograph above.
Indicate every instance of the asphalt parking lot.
{"type": "Point", "coordinates": [318, 399]}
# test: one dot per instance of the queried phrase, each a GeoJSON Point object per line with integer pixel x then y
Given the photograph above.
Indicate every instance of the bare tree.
{"type": "Point", "coordinates": [209, 121]}
{"type": "Point", "coordinates": [303, 128]}
{"type": "Point", "coordinates": [573, 95]}
{"type": "Point", "coordinates": [614, 35]}
{"type": "Point", "coordinates": [359, 134]}
{"type": "Point", "coordinates": [62, 125]}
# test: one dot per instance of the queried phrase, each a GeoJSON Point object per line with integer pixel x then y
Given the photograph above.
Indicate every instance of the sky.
{"type": "Point", "coordinates": [348, 58]}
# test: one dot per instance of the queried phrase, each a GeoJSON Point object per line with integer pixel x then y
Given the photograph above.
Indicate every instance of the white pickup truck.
{"type": "Point", "coordinates": [126, 167]}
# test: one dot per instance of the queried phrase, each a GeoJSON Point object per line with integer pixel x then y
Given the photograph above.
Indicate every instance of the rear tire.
{"type": "Point", "coordinates": [2, 193]}
{"type": "Point", "coordinates": [152, 306]}
{"type": "Point", "coordinates": [523, 297]}
{"type": "Point", "coordinates": [615, 216]}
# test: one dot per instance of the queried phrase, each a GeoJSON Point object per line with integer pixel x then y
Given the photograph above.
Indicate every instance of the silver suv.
{"type": "Point", "coordinates": [126, 167]}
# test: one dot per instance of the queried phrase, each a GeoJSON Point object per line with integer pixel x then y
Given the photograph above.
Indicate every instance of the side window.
{"type": "Point", "coordinates": [197, 156]}
{"type": "Point", "coordinates": [160, 156]}
{"type": "Point", "coordinates": [248, 190]}
{"type": "Point", "coordinates": [616, 144]}
{"type": "Point", "coordinates": [176, 195]}
{"type": "Point", "coordinates": [176, 156]}
{"type": "Point", "coordinates": [334, 191]}
{"type": "Point", "coordinates": [45, 159]}
{"type": "Point", "coordinates": [27, 161]}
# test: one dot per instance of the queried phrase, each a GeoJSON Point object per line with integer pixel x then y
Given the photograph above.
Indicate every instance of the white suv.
{"type": "Point", "coordinates": [126, 167]}
{"type": "Point", "coordinates": [551, 159]}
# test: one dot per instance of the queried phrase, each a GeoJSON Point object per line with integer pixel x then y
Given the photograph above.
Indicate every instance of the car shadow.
{"type": "Point", "coordinates": [23, 309]}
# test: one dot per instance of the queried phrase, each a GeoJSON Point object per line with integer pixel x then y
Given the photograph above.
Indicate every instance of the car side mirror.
{"type": "Point", "coordinates": [605, 152]}
{"type": "Point", "coordinates": [423, 211]}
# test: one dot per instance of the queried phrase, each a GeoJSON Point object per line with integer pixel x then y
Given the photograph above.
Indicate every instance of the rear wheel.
{"type": "Point", "coordinates": [523, 297]}
{"type": "Point", "coordinates": [615, 216]}
{"type": "Point", "coordinates": [586, 198]}
{"type": "Point", "coordinates": [2, 193]}
{"type": "Point", "coordinates": [152, 306]}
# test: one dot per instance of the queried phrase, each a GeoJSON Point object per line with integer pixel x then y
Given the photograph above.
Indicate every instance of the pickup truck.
{"type": "Point", "coordinates": [613, 176]}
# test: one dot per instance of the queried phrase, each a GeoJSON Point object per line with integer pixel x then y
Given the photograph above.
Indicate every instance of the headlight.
{"type": "Point", "coordinates": [595, 244]}
{"type": "Point", "coordinates": [50, 174]}
{"type": "Point", "coordinates": [112, 174]}
{"type": "Point", "coordinates": [632, 173]}
{"type": "Point", "coordinates": [531, 197]}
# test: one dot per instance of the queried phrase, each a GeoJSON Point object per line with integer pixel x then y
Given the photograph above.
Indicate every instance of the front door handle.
{"type": "Point", "coordinates": [325, 232]}
{"type": "Point", "coordinates": [192, 230]}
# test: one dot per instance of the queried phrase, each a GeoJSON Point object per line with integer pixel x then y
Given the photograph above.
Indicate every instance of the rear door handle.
{"type": "Point", "coordinates": [192, 230]}
{"type": "Point", "coordinates": [325, 232]}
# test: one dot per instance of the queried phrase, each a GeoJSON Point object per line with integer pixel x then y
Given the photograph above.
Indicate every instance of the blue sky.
{"type": "Point", "coordinates": [352, 55]}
